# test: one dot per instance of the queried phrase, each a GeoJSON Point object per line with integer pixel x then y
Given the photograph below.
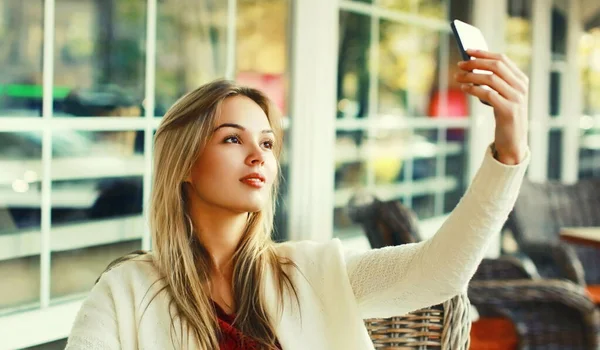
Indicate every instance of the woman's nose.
{"type": "Point", "coordinates": [255, 157]}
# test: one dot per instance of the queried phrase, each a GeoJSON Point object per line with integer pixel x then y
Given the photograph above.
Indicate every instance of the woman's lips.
{"type": "Point", "coordinates": [255, 180]}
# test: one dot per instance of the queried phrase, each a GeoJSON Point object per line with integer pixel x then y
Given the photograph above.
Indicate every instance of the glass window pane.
{"type": "Point", "coordinates": [589, 156]}
{"type": "Point", "coordinates": [352, 104]}
{"type": "Point", "coordinates": [426, 8]}
{"type": "Point", "coordinates": [20, 217]}
{"type": "Point", "coordinates": [191, 47]}
{"type": "Point", "coordinates": [201, 53]}
{"type": "Point", "coordinates": [456, 158]}
{"type": "Point", "coordinates": [555, 154]}
{"type": "Point", "coordinates": [21, 35]}
{"type": "Point", "coordinates": [589, 49]}
{"type": "Point", "coordinates": [559, 30]}
{"type": "Point", "coordinates": [96, 205]}
{"type": "Point", "coordinates": [350, 175]}
{"type": "Point", "coordinates": [408, 62]}
{"type": "Point", "coordinates": [519, 33]}
{"type": "Point", "coordinates": [99, 59]}
{"type": "Point", "coordinates": [554, 94]}
{"type": "Point", "coordinates": [262, 47]}
{"type": "Point", "coordinates": [589, 153]}
{"type": "Point", "coordinates": [353, 76]}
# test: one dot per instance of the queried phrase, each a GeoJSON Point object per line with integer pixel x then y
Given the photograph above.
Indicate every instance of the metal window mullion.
{"type": "Point", "coordinates": [231, 39]}
{"type": "Point", "coordinates": [539, 96]}
{"type": "Point", "coordinates": [440, 171]}
{"type": "Point", "coordinates": [481, 131]}
{"type": "Point", "coordinates": [47, 110]}
{"type": "Point", "coordinates": [444, 59]}
{"type": "Point", "coordinates": [373, 107]}
{"type": "Point", "coordinates": [313, 102]}
{"type": "Point", "coordinates": [409, 167]}
{"type": "Point", "coordinates": [149, 107]}
{"type": "Point", "coordinates": [571, 97]}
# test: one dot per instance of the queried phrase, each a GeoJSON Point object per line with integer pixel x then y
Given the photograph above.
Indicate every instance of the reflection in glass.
{"type": "Point", "coordinates": [408, 62]}
{"type": "Point", "coordinates": [424, 206]}
{"type": "Point", "coordinates": [554, 91]}
{"type": "Point", "coordinates": [353, 74]}
{"type": "Point", "coordinates": [21, 35]}
{"type": "Point", "coordinates": [555, 154]}
{"type": "Point", "coordinates": [353, 103]}
{"type": "Point", "coordinates": [97, 193]}
{"type": "Point", "coordinates": [199, 53]}
{"type": "Point", "coordinates": [262, 47]}
{"type": "Point", "coordinates": [191, 47]}
{"type": "Point", "coordinates": [75, 271]}
{"type": "Point", "coordinates": [427, 8]}
{"type": "Point", "coordinates": [99, 62]}
{"type": "Point", "coordinates": [589, 156]}
{"type": "Point", "coordinates": [519, 33]}
{"type": "Point", "coordinates": [98, 145]}
{"type": "Point", "coordinates": [20, 202]}
{"type": "Point", "coordinates": [559, 32]}
{"type": "Point", "coordinates": [589, 54]}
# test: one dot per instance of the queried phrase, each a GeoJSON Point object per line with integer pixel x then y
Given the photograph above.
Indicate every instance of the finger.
{"type": "Point", "coordinates": [487, 95]}
{"type": "Point", "coordinates": [499, 68]}
{"type": "Point", "coordinates": [491, 80]}
{"type": "Point", "coordinates": [501, 57]}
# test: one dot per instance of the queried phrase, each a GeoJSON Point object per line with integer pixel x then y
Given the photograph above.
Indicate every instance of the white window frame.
{"type": "Point", "coordinates": [313, 103]}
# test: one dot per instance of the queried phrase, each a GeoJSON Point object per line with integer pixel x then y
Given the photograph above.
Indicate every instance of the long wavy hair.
{"type": "Point", "coordinates": [178, 254]}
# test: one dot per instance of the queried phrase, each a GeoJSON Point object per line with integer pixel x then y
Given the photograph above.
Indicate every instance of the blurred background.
{"type": "Point", "coordinates": [365, 85]}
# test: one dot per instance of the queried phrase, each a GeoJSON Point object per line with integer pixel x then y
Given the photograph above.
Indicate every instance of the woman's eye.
{"type": "Point", "coordinates": [232, 139]}
{"type": "Point", "coordinates": [268, 144]}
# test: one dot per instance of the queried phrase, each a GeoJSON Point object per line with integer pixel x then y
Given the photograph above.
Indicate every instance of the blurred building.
{"type": "Point", "coordinates": [366, 87]}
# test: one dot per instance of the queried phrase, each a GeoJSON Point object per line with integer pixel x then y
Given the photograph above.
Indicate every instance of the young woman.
{"type": "Point", "coordinates": [216, 280]}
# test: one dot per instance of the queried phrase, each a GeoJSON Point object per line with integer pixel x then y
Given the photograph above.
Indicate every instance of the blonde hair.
{"type": "Point", "coordinates": [178, 254]}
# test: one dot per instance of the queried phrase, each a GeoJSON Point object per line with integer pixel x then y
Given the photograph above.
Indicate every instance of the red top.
{"type": "Point", "coordinates": [231, 337]}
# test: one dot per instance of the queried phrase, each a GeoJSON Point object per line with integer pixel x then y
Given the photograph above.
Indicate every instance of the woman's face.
{"type": "Point", "coordinates": [237, 168]}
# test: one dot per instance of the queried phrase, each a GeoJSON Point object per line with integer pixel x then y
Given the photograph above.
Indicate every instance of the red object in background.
{"type": "Point", "coordinates": [457, 106]}
{"type": "Point", "coordinates": [494, 333]}
{"type": "Point", "coordinates": [271, 84]}
{"type": "Point", "coordinates": [594, 293]}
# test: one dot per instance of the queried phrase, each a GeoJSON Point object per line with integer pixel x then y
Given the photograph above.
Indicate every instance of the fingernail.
{"type": "Point", "coordinates": [461, 63]}
{"type": "Point", "coordinates": [464, 87]}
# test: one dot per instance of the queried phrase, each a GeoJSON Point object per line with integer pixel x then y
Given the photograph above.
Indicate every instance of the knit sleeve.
{"type": "Point", "coordinates": [393, 281]}
{"type": "Point", "coordinates": [95, 326]}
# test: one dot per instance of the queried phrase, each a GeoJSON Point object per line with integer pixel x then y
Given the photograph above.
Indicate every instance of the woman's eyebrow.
{"type": "Point", "coordinates": [238, 126]}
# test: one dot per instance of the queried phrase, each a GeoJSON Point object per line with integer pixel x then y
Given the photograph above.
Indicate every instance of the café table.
{"type": "Point", "coordinates": [589, 236]}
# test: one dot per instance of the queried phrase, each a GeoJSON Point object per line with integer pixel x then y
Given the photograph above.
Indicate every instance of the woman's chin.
{"type": "Point", "coordinates": [251, 207]}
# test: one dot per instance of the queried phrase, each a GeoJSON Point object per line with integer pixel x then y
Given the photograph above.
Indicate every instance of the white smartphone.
{"type": "Point", "coordinates": [469, 37]}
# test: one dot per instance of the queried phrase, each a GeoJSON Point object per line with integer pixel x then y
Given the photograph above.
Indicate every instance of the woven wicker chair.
{"type": "Point", "coordinates": [541, 210]}
{"type": "Point", "coordinates": [385, 223]}
{"type": "Point", "coordinates": [446, 326]}
{"type": "Point", "coordinates": [509, 286]}
{"type": "Point", "coordinates": [548, 314]}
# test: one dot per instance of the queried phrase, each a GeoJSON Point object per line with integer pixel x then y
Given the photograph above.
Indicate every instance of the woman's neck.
{"type": "Point", "coordinates": [220, 232]}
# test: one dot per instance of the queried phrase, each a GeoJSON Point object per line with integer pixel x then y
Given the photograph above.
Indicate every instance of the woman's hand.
{"type": "Point", "coordinates": [507, 94]}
